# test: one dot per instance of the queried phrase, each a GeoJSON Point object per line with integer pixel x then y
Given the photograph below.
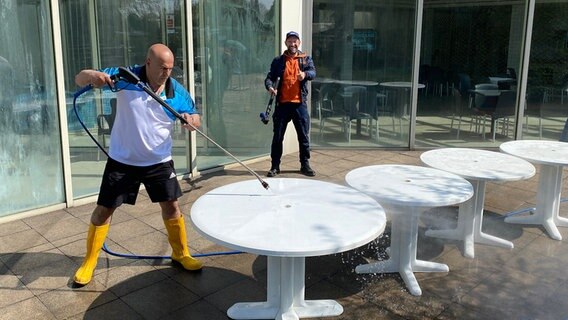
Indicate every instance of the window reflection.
{"type": "Point", "coordinates": [467, 47]}
{"type": "Point", "coordinates": [99, 34]}
{"type": "Point", "coordinates": [234, 43]}
{"type": "Point", "coordinates": [547, 86]}
{"type": "Point", "coordinates": [30, 156]}
{"type": "Point", "coordinates": [363, 47]}
{"type": "Point", "coordinates": [463, 44]}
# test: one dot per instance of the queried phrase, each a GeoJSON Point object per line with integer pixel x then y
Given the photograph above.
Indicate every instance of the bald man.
{"type": "Point", "coordinates": [141, 152]}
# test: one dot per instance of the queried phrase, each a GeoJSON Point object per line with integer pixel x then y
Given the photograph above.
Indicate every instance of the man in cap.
{"type": "Point", "coordinates": [295, 69]}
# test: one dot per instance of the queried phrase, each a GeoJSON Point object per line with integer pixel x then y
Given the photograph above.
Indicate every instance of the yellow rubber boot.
{"type": "Point", "coordinates": [178, 240]}
{"type": "Point", "coordinates": [95, 239]}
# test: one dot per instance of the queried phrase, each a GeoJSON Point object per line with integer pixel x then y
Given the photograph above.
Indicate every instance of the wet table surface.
{"type": "Point", "coordinates": [552, 157]}
{"type": "Point", "coordinates": [478, 167]}
{"type": "Point", "coordinates": [406, 191]}
{"type": "Point", "coordinates": [293, 219]}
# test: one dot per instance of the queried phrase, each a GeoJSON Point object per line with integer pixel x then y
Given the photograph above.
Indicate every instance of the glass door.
{"type": "Point", "coordinates": [363, 52]}
{"type": "Point", "coordinates": [30, 148]}
{"type": "Point", "coordinates": [234, 44]}
{"type": "Point", "coordinates": [546, 108]}
{"type": "Point", "coordinates": [99, 34]}
{"type": "Point", "coordinates": [470, 58]}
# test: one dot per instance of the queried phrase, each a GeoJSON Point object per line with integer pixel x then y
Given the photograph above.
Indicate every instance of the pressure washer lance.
{"type": "Point", "coordinates": [130, 77]}
{"type": "Point", "coordinates": [265, 116]}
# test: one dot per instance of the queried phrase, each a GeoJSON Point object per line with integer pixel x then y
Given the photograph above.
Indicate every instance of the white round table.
{"type": "Point", "coordinates": [552, 156]}
{"type": "Point", "coordinates": [406, 191]}
{"type": "Point", "coordinates": [478, 167]}
{"type": "Point", "coordinates": [293, 219]}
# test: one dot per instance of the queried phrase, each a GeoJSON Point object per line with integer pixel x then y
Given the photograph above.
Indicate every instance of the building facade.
{"type": "Point", "coordinates": [391, 74]}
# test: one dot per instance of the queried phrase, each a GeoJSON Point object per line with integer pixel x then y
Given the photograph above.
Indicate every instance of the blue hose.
{"type": "Point", "coordinates": [105, 248]}
{"type": "Point", "coordinates": [136, 256]}
{"type": "Point", "coordinates": [512, 213]}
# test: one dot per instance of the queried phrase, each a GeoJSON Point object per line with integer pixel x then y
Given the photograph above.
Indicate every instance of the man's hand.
{"type": "Point", "coordinates": [301, 75]}
{"type": "Point", "coordinates": [272, 91]}
{"type": "Point", "coordinates": [93, 77]}
{"type": "Point", "coordinates": [193, 120]}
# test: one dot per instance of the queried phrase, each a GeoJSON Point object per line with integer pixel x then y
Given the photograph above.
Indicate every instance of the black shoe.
{"type": "Point", "coordinates": [273, 172]}
{"type": "Point", "coordinates": [307, 171]}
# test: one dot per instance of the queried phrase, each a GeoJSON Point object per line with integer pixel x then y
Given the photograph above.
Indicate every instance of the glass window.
{"type": "Point", "coordinates": [234, 44]}
{"type": "Point", "coordinates": [547, 87]}
{"type": "Point", "coordinates": [470, 57]}
{"type": "Point", "coordinates": [99, 34]}
{"type": "Point", "coordinates": [30, 152]}
{"type": "Point", "coordinates": [363, 52]}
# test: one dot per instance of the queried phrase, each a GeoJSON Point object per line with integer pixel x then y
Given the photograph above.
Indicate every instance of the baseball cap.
{"type": "Point", "coordinates": [292, 34]}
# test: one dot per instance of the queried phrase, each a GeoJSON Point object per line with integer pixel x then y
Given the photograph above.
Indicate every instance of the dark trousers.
{"type": "Point", "coordinates": [301, 120]}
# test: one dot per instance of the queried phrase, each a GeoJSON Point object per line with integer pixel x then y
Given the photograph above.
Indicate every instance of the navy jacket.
{"type": "Point", "coordinates": [277, 70]}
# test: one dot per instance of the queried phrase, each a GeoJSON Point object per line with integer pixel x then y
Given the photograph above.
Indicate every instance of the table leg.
{"type": "Point", "coordinates": [464, 229]}
{"type": "Point", "coordinates": [404, 234]}
{"type": "Point", "coordinates": [285, 295]}
{"type": "Point", "coordinates": [560, 222]}
{"type": "Point", "coordinates": [407, 252]}
{"type": "Point", "coordinates": [470, 221]}
{"type": "Point", "coordinates": [480, 236]}
{"type": "Point", "coordinates": [547, 203]}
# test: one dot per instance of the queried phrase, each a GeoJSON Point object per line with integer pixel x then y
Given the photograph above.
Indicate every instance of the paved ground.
{"type": "Point", "coordinates": [39, 255]}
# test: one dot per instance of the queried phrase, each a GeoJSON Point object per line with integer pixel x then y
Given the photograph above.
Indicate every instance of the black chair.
{"type": "Point", "coordinates": [386, 106]}
{"type": "Point", "coordinates": [423, 75]}
{"type": "Point", "coordinates": [436, 81]}
{"type": "Point", "coordinates": [325, 105]}
{"type": "Point", "coordinates": [465, 87]}
{"type": "Point", "coordinates": [535, 99]}
{"type": "Point", "coordinates": [105, 122]}
{"type": "Point", "coordinates": [382, 108]}
{"type": "Point", "coordinates": [464, 84]}
{"type": "Point", "coordinates": [463, 102]}
{"type": "Point", "coordinates": [484, 102]}
{"type": "Point", "coordinates": [354, 102]}
{"type": "Point", "coordinates": [504, 109]}
{"type": "Point", "coordinates": [462, 108]}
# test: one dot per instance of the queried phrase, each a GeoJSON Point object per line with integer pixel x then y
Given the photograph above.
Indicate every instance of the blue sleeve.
{"type": "Point", "coordinates": [182, 102]}
{"type": "Point", "coordinates": [310, 69]}
{"type": "Point", "coordinates": [272, 75]}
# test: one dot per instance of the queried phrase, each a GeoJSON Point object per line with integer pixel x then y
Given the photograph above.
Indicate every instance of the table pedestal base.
{"type": "Point", "coordinates": [470, 218]}
{"type": "Point", "coordinates": [404, 234]}
{"type": "Point", "coordinates": [547, 203]}
{"type": "Point", "coordinates": [285, 295]}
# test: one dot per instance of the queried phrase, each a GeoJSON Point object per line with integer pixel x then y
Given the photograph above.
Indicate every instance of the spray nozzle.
{"type": "Point", "coordinates": [264, 117]}
{"type": "Point", "coordinates": [128, 75]}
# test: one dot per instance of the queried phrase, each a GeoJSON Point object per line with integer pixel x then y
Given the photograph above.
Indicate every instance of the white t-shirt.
{"type": "Point", "coordinates": [141, 133]}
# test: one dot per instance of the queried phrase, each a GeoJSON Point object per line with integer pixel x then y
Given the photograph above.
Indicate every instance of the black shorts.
{"type": "Point", "coordinates": [121, 183]}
